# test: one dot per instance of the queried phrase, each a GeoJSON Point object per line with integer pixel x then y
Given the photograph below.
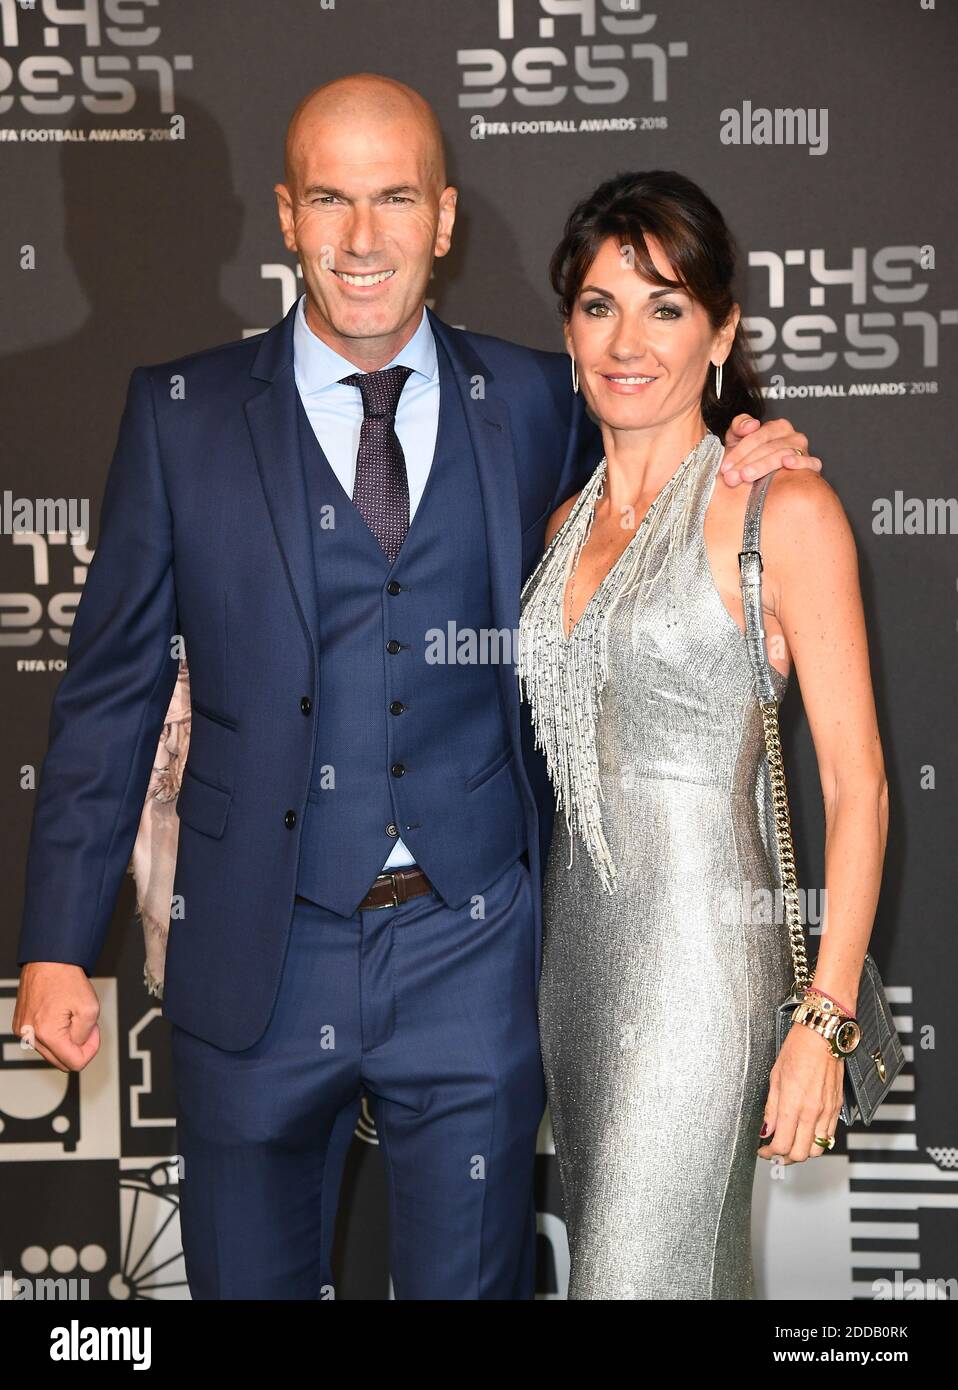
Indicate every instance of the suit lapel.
{"type": "Point", "coordinates": [491, 434]}
{"type": "Point", "coordinates": [271, 416]}
{"type": "Point", "coordinates": [489, 428]}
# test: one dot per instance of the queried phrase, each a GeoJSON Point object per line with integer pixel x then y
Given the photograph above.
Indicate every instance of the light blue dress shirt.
{"type": "Point", "coordinates": [335, 413]}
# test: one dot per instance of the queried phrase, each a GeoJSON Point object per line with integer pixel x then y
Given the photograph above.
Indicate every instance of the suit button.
{"type": "Point", "coordinates": [306, 704]}
{"type": "Point", "coordinates": [290, 819]}
{"type": "Point", "coordinates": [392, 830]}
{"type": "Point", "coordinates": [393, 587]}
{"type": "Point", "coordinates": [392, 646]}
{"type": "Point", "coordinates": [396, 707]}
{"type": "Point", "coordinates": [397, 770]}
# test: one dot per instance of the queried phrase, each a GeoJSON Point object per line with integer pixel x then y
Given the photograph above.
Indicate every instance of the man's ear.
{"type": "Point", "coordinates": [448, 201]}
{"type": "Point", "coordinates": [284, 209]}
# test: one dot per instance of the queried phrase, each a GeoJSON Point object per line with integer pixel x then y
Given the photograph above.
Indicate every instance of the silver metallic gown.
{"type": "Point", "coordinates": [664, 952]}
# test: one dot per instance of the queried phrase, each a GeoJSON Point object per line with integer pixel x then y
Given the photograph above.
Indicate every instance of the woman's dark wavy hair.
{"type": "Point", "coordinates": [700, 250]}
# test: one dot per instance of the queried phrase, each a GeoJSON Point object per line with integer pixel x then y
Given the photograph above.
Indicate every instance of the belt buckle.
{"type": "Point", "coordinates": [392, 879]}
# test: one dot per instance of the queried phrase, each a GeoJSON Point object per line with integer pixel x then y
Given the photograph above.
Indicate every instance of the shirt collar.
{"type": "Point", "coordinates": [317, 365]}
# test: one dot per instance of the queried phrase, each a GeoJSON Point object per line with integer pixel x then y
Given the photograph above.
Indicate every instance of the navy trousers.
{"type": "Point", "coordinates": [432, 1011]}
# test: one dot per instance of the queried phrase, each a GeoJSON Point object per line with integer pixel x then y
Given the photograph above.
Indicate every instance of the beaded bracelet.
{"type": "Point", "coordinates": [812, 989]}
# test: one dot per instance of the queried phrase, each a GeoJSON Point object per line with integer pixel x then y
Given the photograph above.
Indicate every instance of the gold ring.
{"type": "Point", "coordinates": [826, 1141]}
{"type": "Point", "coordinates": [801, 452]}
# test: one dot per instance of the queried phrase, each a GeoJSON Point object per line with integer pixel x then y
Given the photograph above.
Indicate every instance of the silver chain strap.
{"type": "Point", "coordinates": [783, 841]}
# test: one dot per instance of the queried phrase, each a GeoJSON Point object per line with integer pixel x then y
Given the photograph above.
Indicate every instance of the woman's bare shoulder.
{"type": "Point", "coordinates": [802, 511]}
{"type": "Point", "coordinates": [807, 541]}
{"type": "Point", "coordinates": [559, 516]}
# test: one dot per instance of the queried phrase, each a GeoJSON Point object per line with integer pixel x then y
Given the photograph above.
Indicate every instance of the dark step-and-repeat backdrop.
{"type": "Point", "coordinates": [139, 144]}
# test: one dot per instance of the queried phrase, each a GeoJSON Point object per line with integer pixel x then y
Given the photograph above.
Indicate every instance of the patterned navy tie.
{"type": "Point", "coordinates": [381, 489]}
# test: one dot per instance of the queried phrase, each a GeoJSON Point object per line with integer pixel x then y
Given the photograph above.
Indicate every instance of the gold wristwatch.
{"type": "Point", "coordinates": [823, 1016]}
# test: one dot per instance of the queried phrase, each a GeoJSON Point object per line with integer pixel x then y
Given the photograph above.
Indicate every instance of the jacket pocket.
{"type": "Point", "coordinates": [212, 715]}
{"type": "Point", "coordinates": [202, 805]}
{"type": "Point", "coordinates": [490, 770]}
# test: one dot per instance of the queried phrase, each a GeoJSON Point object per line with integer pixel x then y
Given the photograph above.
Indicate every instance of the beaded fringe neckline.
{"type": "Point", "coordinates": [562, 676]}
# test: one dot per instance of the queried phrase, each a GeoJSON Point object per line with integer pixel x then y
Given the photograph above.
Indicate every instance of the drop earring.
{"type": "Point", "coordinates": [575, 377]}
{"type": "Point", "coordinates": [718, 381]}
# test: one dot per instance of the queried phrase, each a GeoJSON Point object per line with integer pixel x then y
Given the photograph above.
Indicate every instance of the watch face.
{"type": "Point", "coordinates": [847, 1037]}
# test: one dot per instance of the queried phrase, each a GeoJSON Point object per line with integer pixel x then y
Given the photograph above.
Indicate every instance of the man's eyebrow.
{"type": "Point", "coordinates": [654, 294]}
{"type": "Point", "coordinates": [326, 191]}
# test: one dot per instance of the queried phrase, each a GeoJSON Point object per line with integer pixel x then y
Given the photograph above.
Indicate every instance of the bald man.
{"type": "Point", "coordinates": [322, 514]}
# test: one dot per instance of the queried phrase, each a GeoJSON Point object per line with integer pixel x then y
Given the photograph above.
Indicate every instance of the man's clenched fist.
{"type": "Point", "coordinates": [57, 1011]}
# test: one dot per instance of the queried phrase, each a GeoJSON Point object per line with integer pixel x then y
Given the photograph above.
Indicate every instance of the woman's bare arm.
{"type": "Point", "coordinates": [813, 573]}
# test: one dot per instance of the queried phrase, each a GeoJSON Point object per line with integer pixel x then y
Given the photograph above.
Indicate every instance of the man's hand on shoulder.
{"type": "Point", "coordinates": [753, 449]}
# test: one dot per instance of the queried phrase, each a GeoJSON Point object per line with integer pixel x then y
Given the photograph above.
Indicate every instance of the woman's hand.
{"type": "Point", "coordinates": [804, 1097]}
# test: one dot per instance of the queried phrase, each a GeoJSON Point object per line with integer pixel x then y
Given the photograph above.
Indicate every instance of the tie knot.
{"type": "Point", "coordinates": [380, 390]}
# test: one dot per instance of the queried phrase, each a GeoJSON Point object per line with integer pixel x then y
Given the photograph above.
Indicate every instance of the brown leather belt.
{"type": "Point", "coordinates": [389, 890]}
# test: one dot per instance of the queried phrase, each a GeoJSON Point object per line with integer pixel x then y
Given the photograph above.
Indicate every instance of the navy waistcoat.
{"type": "Point", "coordinates": [411, 741]}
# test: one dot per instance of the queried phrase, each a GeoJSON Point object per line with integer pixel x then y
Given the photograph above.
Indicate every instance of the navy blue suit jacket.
{"type": "Point", "coordinates": [204, 532]}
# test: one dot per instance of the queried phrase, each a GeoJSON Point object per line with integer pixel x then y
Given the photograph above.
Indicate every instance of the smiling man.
{"type": "Point", "coordinates": [361, 829]}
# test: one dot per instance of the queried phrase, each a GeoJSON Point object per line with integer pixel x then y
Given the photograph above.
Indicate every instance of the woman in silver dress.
{"type": "Point", "coordinates": [660, 980]}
